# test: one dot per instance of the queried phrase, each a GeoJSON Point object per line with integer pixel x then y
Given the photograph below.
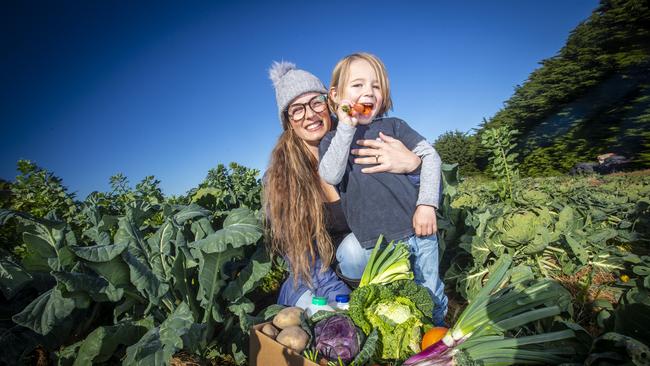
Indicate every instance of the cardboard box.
{"type": "Point", "coordinates": [265, 351]}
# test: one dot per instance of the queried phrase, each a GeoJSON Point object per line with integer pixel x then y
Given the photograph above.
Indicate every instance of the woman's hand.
{"type": "Point", "coordinates": [424, 220]}
{"type": "Point", "coordinates": [388, 155]}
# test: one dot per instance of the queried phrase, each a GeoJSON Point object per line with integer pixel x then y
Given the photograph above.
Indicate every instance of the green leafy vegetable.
{"type": "Point", "coordinates": [397, 310]}
{"type": "Point", "coordinates": [387, 265]}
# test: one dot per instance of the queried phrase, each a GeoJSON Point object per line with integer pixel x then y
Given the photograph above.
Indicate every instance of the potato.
{"type": "Point", "coordinates": [270, 330]}
{"type": "Point", "coordinates": [293, 337]}
{"type": "Point", "coordinates": [287, 317]}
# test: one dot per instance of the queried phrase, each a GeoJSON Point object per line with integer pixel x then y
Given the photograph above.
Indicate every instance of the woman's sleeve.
{"type": "Point", "coordinates": [324, 283]}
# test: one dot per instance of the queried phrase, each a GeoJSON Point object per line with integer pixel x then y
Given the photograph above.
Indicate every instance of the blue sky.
{"type": "Point", "coordinates": [92, 88]}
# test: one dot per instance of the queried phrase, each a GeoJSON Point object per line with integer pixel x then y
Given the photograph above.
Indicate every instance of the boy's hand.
{"type": "Point", "coordinates": [424, 220]}
{"type": "Point", "coordinates": [342, 112]}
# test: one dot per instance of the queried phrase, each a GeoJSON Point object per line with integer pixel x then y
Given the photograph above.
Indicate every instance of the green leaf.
{"type": "Point", "coordinates": [158, 345]}
{"type": "Point", "coordinates": [369, 348]}
{"type": "Point", "coordinates": [124, 307]}
{"type": "Point", "coordinates": [99, 253]}
{"type": "Point", "coordinates": [521, 273]}
{"type": "Point", "coordinates": [67, 355]}
{"type": "Point", "coordinates": [100, 231]}
{"type": "Point", "coordinates": [540, 242]}
{"type": "Point", "coordinates": [641, 270]}
{"type": "Point", "coordinates": [45, 312]}
{"type": "Point", "coordinates": [577, 249]}
{"type": "Point", "coordinates": [115, 271]}
{"type": "Point", "coordinates": [182, 282]}
{"type": "Point", "coordinates": [625, 225]}
{"type": "Point", "coordinates": [144, 279]}
{"type": "Point", "coordinates": [601, 303]}
{"type": "Point", "coordinates": [211, 279]}
{"type": "Point", "coordinates": [602, 236]}
{"type": "Point", "coordinates": [39, 251]}
{"type": "Point", "coordinates": [42, 247]}
{"type": "Point", "coordinates": [201, 228]}
{"type": "Point", "coordinates": [250, 276]}
{"type": "Point", "coordinates": [481, 248]}
{"type": "Point", "coordinates": [160, 246]}
{"type": "Point", "coordinates": [240, 228]}
{"type": "Point", "coordinates": [632, 258]}
{"type": "Point", "coordinates": [13, 276]}
{"type": "Point", "coordinates": [130, 234]}
{"type": "Point", "coordinates": [602, 317]}
{"type": "Point", "coordinates": [241, 309]}
{"type": "Point", "coordinates": [196, 339]}
{"type": "Point", "coordinates": [566, 222]}
{"type": "Point", "coordinates": [96, 287]}
{"type": "Point", "coordinates": [100, 345]}
{"type": "Point", "coordinates": [270, 311]}
{"type": "Point", "coordinates": [190, 212]}
{"type": "Point", "coordinates": [369, 270]}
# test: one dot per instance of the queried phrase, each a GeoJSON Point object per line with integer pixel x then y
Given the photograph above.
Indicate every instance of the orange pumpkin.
{"type": "Point", "coordinates": [433, 335]}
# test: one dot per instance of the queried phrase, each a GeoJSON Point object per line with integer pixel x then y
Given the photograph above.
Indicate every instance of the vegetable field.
{"type": "Point", "coordinates": [543, 271]}
{"type": "Point", "coordinates": [588, 234]}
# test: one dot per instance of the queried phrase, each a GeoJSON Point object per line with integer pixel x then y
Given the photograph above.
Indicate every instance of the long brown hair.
{"type": "Point", "coordinates": [293, 201]}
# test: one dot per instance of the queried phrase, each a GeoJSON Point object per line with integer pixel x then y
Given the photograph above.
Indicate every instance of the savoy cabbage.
{"type": "Point", "coordinates": [398, 310]}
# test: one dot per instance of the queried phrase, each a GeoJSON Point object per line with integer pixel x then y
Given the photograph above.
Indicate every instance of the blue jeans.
{"type": "Point", "coordinates": [424, 262]}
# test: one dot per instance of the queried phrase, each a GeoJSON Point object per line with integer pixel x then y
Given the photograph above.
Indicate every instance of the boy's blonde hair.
{"type": "Point", "coordinates": [341, 74]}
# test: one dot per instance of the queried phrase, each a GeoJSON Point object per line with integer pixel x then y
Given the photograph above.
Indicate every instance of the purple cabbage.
{"type": "Point", "coordinates": [336, 337]}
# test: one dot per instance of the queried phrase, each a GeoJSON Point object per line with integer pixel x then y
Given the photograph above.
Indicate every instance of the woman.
{"type": "Point", "coordinates": [304, 215]}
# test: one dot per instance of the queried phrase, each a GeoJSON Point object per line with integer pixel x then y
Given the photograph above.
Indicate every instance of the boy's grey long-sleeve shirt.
{"type": "Point", "coordinates": [380, 203]}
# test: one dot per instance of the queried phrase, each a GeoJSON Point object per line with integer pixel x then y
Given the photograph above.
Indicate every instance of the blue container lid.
{"type": "Point", "coordinates": [343, 298]}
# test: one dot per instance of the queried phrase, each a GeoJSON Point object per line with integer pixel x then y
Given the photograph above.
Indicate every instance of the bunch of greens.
{"type": "Point", "coordinates": [387, 265]}
{"type": "Point", "coordinates": [398, 310]}
{"type": "Point", "coordinates": [494, 328]}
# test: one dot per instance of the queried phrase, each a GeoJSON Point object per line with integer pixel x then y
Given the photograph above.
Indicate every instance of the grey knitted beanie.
{"type": "Point", "coordinates": [289, 83]}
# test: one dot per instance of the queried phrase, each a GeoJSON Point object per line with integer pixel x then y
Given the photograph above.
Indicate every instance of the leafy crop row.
{"type": "Point", "coordinates": [591, 234]}
{"type": "Point", "coordinates": [130, 276]}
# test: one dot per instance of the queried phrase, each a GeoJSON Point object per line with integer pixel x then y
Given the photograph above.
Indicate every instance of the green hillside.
{"type": "Point", "coordinates": [591, 98]}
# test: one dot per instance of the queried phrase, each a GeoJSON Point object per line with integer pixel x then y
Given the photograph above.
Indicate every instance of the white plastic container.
{"type": "Point", "coordinates": [343, 302]}
{"type": "Point", "coordinates": [317, 303]}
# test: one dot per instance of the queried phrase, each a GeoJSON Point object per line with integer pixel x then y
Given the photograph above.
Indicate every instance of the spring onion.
{"type": "Point", "coordinates": [479, 333]}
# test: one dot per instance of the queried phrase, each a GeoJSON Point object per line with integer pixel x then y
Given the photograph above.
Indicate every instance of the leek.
{"type": "Point", "coordinates": [387, 265]}
{"type": "Point", "coordinates": [479, 333]}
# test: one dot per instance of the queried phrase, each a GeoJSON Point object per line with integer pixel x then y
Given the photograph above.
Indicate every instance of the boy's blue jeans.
{"type": "Point", "coordinates": [424, 262]}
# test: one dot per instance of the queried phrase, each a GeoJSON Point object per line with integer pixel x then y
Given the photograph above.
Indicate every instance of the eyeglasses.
{"type": "Point", "coordinates": [318, 104]}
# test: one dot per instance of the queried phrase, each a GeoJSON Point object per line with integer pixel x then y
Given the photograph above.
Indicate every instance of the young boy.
{"type": "Point", "coordinates": [384, 203]}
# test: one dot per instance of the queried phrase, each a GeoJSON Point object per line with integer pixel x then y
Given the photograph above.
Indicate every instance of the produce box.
{"type": "Point", "coordinates": [265, 351]}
